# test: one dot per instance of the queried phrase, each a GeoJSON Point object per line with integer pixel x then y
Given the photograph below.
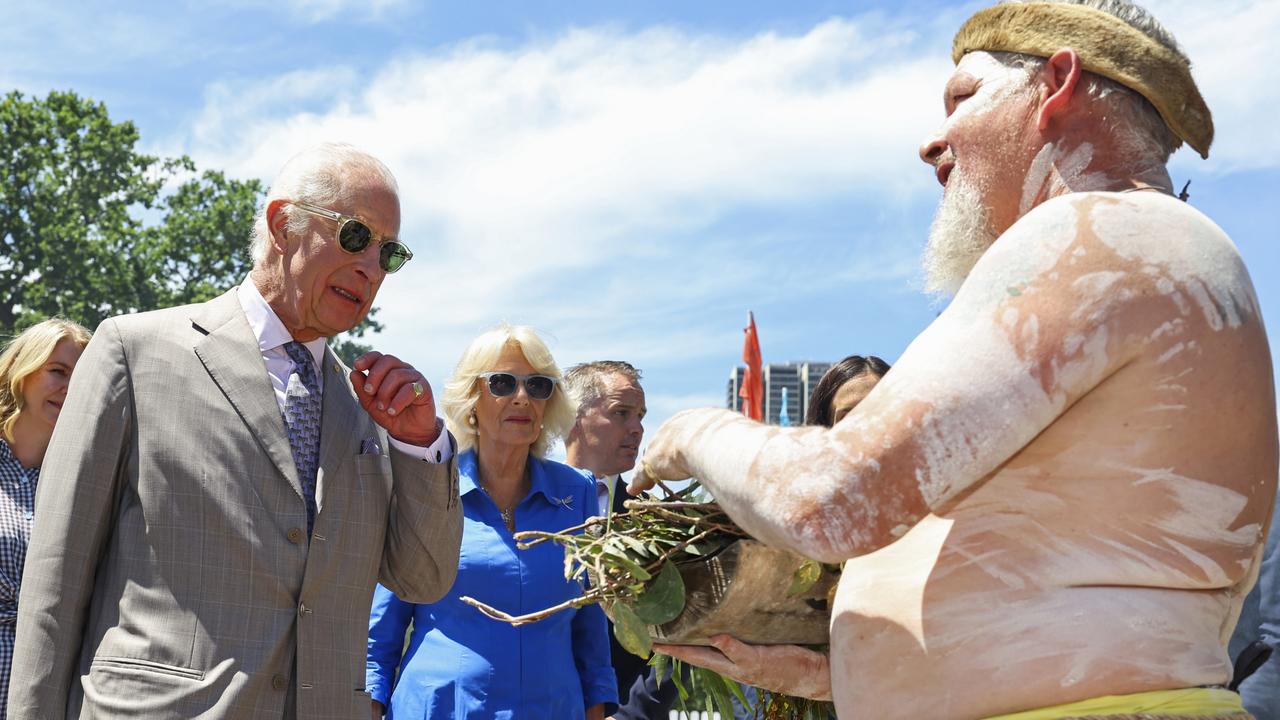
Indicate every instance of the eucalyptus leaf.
{"type": "Point", "coordinates": [736, 689]}
{"type": "Point", "coordinates": [630, 631]}
{"type": "Point", "coordinates": [634, 544]}
{"type": "Point", "coordinates": [659, 663]}
{"type": "Point", "coordinates": [805, 577]}
{"type": "Point", "coordinates": [677, 670]}
{"type": "Point", "coordinates": [663, 599]}
{"type": "Point", "coordinates": [720, 695]}
{"type": "Point", "coordinates": [633, 567]}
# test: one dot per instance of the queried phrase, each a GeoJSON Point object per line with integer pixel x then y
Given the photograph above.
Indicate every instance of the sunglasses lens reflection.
{"type": "Point", "coordinates": [539, 387]}
{"type": "Point", "coordinates": [354, 236]}
{"type": "Point", "coordinates": [502, 384]}
{"type": "Point", "coordinates": [393, 256]}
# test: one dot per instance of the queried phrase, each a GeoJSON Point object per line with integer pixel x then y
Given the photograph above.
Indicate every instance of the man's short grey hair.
{"type": "Point", "coordinates": [1131, 118]}
{"type": "Point", "coordinates": [585, 381]}
{"type": "Point", "coordinates": [320, 176]}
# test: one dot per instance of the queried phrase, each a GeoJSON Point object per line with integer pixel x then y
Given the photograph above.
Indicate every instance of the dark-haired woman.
{"type": "Point", "coordinates": [843, 386]}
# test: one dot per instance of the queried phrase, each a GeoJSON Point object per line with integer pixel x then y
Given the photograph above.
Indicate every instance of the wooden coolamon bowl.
{"type": "Point", "coordinates": [742, 591]}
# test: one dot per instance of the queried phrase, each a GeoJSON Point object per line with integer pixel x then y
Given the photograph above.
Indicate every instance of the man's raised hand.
{"type": "Point", "coordinates": [397, 397]}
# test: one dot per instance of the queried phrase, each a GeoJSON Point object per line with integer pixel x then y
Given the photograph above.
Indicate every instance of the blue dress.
{"type": "Point", "coordinates": [459, 663]}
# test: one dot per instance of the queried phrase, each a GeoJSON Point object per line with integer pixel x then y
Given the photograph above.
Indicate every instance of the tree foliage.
{"type": "Point", "coordinates": [74, 193]}
{"type": "Point", "coordinates": [90, 227]}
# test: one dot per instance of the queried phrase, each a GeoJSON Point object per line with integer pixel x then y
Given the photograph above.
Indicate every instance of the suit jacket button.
{"type": "Point", "coordinates": [294, 535]}
{"type": "Point", "coordinates": [278, 682]}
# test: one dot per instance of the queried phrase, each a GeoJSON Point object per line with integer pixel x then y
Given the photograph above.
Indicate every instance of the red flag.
{"type": "Point", "coordinates": [752, 389]}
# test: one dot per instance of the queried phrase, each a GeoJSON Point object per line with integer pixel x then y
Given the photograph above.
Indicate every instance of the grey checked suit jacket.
{"type": "Point", "coordinates": [169, 574]}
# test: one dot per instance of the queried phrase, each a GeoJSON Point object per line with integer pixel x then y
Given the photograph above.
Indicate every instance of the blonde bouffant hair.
{"type": "Point", "coordinates": [25, 354]}
{"type": "Point", "coordinates": [463, 389]}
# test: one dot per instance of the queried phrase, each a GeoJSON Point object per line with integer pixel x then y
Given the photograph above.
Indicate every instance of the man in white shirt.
{"type": "Point", "coordinates": [606, 441]}
{"type": "Point", "coordinates": [222, 493]}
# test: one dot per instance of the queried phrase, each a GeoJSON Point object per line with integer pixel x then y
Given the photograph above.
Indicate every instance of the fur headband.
{"type": "Point", "coordinates": [1107, 46]}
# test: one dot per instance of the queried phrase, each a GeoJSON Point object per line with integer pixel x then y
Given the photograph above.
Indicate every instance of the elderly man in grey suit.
{"type": "Point", "coordinates": [221, 493]}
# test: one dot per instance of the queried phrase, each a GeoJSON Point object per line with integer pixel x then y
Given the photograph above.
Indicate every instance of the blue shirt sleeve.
{"type": "Point", "coordinates": [388, 621]}
{"type": "Point", "coordinates": [591, 643]}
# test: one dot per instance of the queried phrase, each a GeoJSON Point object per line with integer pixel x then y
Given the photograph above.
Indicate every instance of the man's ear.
{"type": "Point", "coordinates": [1059, 76]}
{"type": "Point", "coordinates": [277, 225]}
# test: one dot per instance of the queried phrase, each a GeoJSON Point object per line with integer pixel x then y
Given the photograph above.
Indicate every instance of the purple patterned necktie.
{"type": "Point", "coordinates": [302, 420]}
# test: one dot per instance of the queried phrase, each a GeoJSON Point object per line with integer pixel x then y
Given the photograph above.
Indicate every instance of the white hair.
{"type": "Point", "coordinates": [960, 234]}
{"type": "Point", "coordinates": [1131, 119]}
{"type": "Point", "coordinates": [320, 175]}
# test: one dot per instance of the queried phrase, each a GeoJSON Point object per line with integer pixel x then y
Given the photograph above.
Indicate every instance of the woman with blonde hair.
{"type": "Point", "coordinates": [35, 369]}
{"type": "Point", "coordinates": [505, 406]}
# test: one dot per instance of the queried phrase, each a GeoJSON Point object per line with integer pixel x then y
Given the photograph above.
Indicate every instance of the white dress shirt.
{"type": "Point", "coordinates": [602, 492]}
{"type": "Point", "coordinates": [272, 337]}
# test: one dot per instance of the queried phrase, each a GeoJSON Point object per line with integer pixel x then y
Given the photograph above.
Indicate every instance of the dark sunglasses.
{"type": "Point", "coordinates": [502, 384]}
{"type": "Point", "coordinates": [354, 236]}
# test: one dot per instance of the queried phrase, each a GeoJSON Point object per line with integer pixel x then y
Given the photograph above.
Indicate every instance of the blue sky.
{"type": "Point", "coordinates": [630, 178]}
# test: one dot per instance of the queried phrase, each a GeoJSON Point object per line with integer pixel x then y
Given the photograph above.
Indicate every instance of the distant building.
{"type": "Point", "coordinates": [798, 377]}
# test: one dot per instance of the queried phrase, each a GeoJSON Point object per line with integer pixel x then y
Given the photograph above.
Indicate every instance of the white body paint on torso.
{"type": "Point", "coordinates": [1110, 551]}
{"type": "Point", "coordinates": [1091, 423]}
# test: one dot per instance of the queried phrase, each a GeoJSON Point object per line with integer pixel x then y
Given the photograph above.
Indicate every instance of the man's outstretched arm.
{"type": "Point", "coordinates": [1026, 337]}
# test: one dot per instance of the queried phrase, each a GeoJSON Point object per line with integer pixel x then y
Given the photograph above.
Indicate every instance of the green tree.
{"type": "Point", "coordinates": [69, 179]}
{"type": "Point", "coordinates": [202, 246]}
{"type": "Point", "coordinates": [90, 227]}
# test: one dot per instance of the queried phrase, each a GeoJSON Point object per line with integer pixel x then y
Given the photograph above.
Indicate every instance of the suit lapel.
{"type": "Point", "coordinates": [338, 425]}
{"type": "Point", "coordinates": [231, 355]}
{"type": "Point", "coordinates": [620, 495]}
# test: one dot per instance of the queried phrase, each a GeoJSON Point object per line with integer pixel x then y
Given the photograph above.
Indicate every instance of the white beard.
{"type": "Point", "coordinates": [960, 234]}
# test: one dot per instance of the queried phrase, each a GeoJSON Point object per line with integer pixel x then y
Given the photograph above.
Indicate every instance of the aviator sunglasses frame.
{"type": "Point", "coordinates": [388, 248]}
{"type": "Point", "coordinates": [518, 380]}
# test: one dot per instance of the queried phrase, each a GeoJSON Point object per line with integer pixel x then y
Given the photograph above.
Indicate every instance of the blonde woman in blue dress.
{"type": "Point", "coordinates": [505, 406]}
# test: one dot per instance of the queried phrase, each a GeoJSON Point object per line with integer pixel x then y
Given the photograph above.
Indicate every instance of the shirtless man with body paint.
{"type": "Point", "coordinates": [1060, 491]}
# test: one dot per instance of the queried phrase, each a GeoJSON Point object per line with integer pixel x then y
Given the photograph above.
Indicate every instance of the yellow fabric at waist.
{"type": "Point", "coordinates": [1190, 702]}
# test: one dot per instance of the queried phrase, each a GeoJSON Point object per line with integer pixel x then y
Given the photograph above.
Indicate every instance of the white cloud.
{"type": "Point", "coordinates": [315, 11]}
{"type": "Point", "coordinates": [574, 183]}
{"type": "Point", "coordinates": [1231, 46]}
{"type": "Point", "coordinates": [580, 183]}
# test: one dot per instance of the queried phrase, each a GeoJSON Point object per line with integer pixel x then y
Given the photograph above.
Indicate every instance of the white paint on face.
{"type": "Point", "coordinates": [999, 83]}
{"type": "Point", "coordinates": [962, 228]}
